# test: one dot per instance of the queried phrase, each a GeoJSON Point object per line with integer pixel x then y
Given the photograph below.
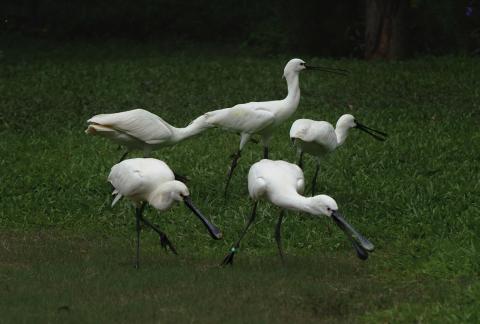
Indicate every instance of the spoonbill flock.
{"type": "Point", "coordinates": [151, 181]}
{"type": "Point", "coordinates": [262, 117]}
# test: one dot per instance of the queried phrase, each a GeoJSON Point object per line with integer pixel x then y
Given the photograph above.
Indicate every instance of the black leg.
{"type": "Point", "coordinates": [300, 160]}
{"type": "Point", "coordinates": [278, 234]}
{"type": "Point", "coordinates": [123, 157]}
{"type": "Point", "coordinates": [235, 157]}
{"type": "Point", "coordinates": [164, 241]}
{"type": "Point", "coordinates": [138, 216]}
{"type": "Point", "coordinates": [314, 181]}
{"type": "Point", "coordinates": [229, 258]}
{"type": "Point", "coordinates": [265, 152]}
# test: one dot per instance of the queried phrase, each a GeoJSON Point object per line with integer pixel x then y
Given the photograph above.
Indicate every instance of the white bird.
{"type": "Point", "coordinates": [282, 184]}
{"type": "Point", "coordinates": [146, 180]}
{"type": "Point", "coordinates": [319, 138]}
{"type": "Point", "coordinates": [139, 129]}
{"type": "Point", "coordinates": [262, 117]}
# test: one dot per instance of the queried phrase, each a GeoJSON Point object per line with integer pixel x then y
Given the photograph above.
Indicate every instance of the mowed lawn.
{"type": "Point", "coordinates": [67, 256]}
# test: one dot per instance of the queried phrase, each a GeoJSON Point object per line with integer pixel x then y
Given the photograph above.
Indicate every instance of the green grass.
{"type": "Point", "coordinates": [65, 255]}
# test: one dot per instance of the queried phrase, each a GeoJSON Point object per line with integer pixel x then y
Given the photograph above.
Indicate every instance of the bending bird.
{"type": "Point", "coordinates": [282, 184]}
{"type": "Point", "coordinates": [146, 180]}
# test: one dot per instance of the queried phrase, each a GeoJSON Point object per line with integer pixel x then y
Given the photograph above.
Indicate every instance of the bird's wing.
{"type": "Point", "coordinates": [257, 185]}
{"type": "Point", "coordinates": [291, 175]}
{"type": "Point", "coordinates": [139, 123]}
{"type": "Point", "coordinates": [300, 179]}
{"type": "Point", "coordinates": [301, 129]}
{"type": "Point", "coordinates": [244, 118]}
{"type": "Point", "coordinates": [128, 180]}
{"type": "Point", "coordinates": [324, 134]}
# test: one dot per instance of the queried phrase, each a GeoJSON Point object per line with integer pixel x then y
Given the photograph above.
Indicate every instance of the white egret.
{"type": "Point", "coordinates": [262, 117]}
{"type": "Point", "coordinates": [146, 180]}
{"type": "Point", "coordinates": [282, 184]}
{"type": "Point", "coordinates": [319, 138]}
{"type": "Point", "coordinates": [139, 129]}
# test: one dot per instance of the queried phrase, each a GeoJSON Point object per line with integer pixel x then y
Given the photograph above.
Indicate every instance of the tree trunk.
{"type": "Point", "coordinates": [385, 29]}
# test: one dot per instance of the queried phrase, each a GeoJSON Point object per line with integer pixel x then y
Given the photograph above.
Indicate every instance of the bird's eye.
{"type": "Point", "coordinates": [302, 63]}
{"type": "Point", "coordinates": [329, 209]}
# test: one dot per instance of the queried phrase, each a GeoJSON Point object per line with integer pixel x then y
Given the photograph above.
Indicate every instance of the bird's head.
{"type": "Point", "coordinates": [346, 121]}
{"type": "Point", "coordinates": [294, 66]}
{"type": "Point", "coordinates": [168, 193]}
{"type": "Point", "coordinates": [325, 205]}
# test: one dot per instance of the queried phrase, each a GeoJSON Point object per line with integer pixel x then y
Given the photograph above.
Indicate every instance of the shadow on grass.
{"type": "Point", "coordinates": [49, 276]}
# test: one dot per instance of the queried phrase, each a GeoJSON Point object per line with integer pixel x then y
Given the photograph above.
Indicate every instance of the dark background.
{"type": "Point", "coordinates": [326, 28]}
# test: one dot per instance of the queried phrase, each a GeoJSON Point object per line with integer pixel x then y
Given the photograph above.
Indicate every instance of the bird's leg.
{"type": "Point", "coordinates": [300, 160]}
{"type": "Point", "coordinates": [266, 143]}
{"type": "Point", "coordinates": [314, 181]}
{"type": "Point", "coordinates": [138, 216]}
{"type": "Point", "coordinates": [229, 258]}
{"type": "Point", "coordinates": [164, 241]}
{"type": "Point", "coordinates": [278, 235]}
{"type": "Point", "coordinates": [235, 157]}
{"type": "Point", "coordinates": [180, 177]}
{"type": "Point", "coordinates": [123, 157]}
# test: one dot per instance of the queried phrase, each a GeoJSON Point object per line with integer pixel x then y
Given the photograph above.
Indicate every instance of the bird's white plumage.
{"type": "Point", "coordinates": [314, 137]}
{"type": "Point", "coordinates": [261, 117]}
{"type": "Point", "coordinates": [137, 179]}
{"type": "Point", "coordinates": [275, 180]}
{"type": "Point", "coordinates": [247, 118]}
{"type": "Point", "coordinates": [138, 123]}
{"type": "Point", "coordinates": [140, 129]}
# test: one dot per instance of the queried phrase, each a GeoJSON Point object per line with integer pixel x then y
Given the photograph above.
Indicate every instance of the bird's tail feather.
{"type": "Point", "coordinates": [117, 197]}
{"type": "Point", "coordinates": [92, 129]}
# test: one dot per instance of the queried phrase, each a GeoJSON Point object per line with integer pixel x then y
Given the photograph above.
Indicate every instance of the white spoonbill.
{"type": "Point", "coordinates": [319, 138]}
{"type": "Point", "coordinates": [262, 117]}
{"type": "Point", "coordinates": [282, 184]}
{"type": "Point", "coordinates": [146, 180]}
{"type": "Point", "coordinates": [139, 129]}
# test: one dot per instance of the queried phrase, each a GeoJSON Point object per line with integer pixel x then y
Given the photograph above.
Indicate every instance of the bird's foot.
{"type": "Point", "coordinates": [165, 242]}
{"type": "Point", "coordinates": [229, 258]}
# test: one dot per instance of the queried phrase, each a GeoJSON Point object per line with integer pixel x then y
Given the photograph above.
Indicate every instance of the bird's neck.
{"type": "Point", "coordinates": [294, 201]}
{"type": "Point", "coordinates": [342, 133]}
{"type": "Point", "coordinates": [197, 126]}
{"type": "Point", "coordinates": [293, 84]}
{"type": "Point", "coordinates": [161, 198]}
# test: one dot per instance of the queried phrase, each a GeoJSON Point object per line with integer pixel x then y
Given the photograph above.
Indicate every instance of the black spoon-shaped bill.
{"type": "Point", "coordinates": [362, 242]}
{"type": "Point", "coordinates": [212, 229]}
{"type": "Point", "coordinates": [327, 69]}
{"type": "Point", "coordinates": [378, 135]}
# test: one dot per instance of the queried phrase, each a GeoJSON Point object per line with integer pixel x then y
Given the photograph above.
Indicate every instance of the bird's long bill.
{"type": "Point", "coordinates": [360, 243]}
{"type": "Point", "coordinates": [212, 229]}
{"type": "Point", "coordinates": [379, 135]}
{"type": "Point", "coordinates": [327, 69]}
